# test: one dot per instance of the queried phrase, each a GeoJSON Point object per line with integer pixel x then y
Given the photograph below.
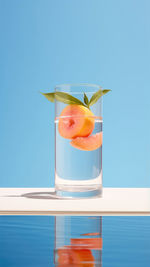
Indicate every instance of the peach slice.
{"type": "Point", "coordinates": [90, 234]}
{"type": "Point", "coordinates": [75, 257]}
{"type": "Point", "coordinates": [89, 143]}
{"type": "Point", "coordinates": [75, 120]}
{"type": "Point", "coordinates": [88, 243]}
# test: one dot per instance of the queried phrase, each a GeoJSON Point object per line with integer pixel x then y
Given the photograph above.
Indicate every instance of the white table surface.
{"type": "Point", "coordinates": [115, 201]}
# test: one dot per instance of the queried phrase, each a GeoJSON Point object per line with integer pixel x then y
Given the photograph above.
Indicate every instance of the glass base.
{"type": "Point", "coordinates": [78, 191]}
{"type": "Point", "coordinates": [78, 188]}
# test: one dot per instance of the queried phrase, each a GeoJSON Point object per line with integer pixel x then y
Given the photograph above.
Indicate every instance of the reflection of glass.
{"type": "Point", "coordinates": [78, 144]}
{"type": "Point", "coordinates": [78, 241]}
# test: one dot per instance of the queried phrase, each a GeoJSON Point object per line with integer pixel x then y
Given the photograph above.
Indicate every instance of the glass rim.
{"type": "Point", "coordinates": [71, 85]}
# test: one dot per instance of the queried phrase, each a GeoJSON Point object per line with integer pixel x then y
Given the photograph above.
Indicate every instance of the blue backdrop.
{"type": "Point", "coordinates": [48, 42]}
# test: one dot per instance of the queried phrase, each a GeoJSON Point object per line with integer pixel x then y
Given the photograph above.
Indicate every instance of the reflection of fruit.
{"type": "Point", "coordinates": [75, 257]}
{"type": "Point", "coordinates": [91, 234]}
{"type": "Point", "coordinates": [75, 120]}
{"type": "Point", "coordinates": [89, 243]}
{"type": "Point", "coordinates": [89, 143]}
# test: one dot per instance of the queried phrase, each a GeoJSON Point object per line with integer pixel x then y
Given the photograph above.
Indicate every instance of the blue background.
{"type": "Point", "coordinates": [44, 43]}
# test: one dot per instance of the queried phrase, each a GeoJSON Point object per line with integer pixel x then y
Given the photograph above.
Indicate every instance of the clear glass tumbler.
{"type": "Point", "coordinates": [78, 241]}
{"type": "Point", "coordinates": [78, 142]}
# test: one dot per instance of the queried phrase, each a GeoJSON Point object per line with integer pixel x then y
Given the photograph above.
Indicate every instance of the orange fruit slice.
{"type": "Point", "coordinates": [75, 257]}
{"type": "Point", "coordinates": [89, 143]}
{"type": "Point", "coordinates": [90, 243]}
{"type": "Point", "coordinates": [75, 120]}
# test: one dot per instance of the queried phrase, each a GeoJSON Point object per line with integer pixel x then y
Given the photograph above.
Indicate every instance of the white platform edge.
{"type": "Point", "coordinates": [115, 201]}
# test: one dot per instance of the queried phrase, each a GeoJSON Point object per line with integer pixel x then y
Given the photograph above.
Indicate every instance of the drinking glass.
{"type": "Point", "coordinates": [78, 241]}
{"type": "Point", "coordinates": [78, 143]}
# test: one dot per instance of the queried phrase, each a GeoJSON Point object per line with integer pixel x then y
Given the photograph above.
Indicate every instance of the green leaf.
{"type": "Point", "coordinates": [49, 96]}
{"type": "Point", "coordinates": [97, 95]}
{"type": "Point", "coordinates": [86, 101]}
{"type": "Point", "coordinates": [67, 99]}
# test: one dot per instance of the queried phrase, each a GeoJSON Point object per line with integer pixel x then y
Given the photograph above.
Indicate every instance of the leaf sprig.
{"type": "Point", "coordinates": [70, 100]}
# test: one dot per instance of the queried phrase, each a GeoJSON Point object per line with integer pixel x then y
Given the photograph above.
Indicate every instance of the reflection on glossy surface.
{"type": "Point", "coordinates": [78, 241]}
{"type": "Point", "coordinates": [46, 241]}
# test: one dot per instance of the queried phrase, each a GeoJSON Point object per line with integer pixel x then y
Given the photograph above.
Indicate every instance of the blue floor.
{"type": "Point", "coordinates": [29, 241]}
